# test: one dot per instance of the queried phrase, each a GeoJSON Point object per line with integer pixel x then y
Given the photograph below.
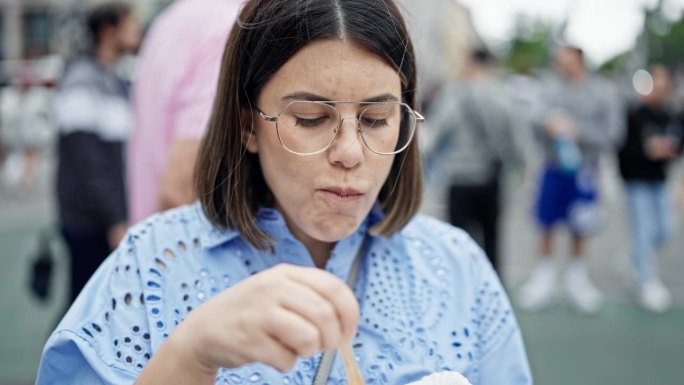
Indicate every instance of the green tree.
{"type": "Point", "coordinates": [529, 45]}
{"type": "Point", "coordinates": [667, 48]}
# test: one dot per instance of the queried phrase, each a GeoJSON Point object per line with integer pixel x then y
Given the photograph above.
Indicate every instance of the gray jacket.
{"type": "Point", "coordinates": [595, 108]}
{"type": "Point", "coordinates": [473, 131]}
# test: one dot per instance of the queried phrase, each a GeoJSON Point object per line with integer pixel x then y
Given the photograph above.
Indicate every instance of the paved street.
{"type": "Point", "coordinates": [24, 322]}
{"type": "Point", "coordinates": [621, 345]}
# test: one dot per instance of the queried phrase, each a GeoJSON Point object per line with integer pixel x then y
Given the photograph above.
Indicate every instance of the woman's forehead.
{"type": "Point", "coordinates": [335, 69]}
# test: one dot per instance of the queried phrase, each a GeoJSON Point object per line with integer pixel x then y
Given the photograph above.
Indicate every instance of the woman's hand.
{"type": "Point", "coordinates": [560, 125]}
{"type": "Point", "coordinates": [272, 317]}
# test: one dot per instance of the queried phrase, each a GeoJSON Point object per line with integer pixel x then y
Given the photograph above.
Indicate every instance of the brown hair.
{"type": "Point", "coordinates": [105, 15]}
{"type": "Point", "coordinates": [228, 180]}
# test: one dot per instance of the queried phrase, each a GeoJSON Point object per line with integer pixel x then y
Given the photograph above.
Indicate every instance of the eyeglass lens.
{"type": "Point", "coordinates": [308, 127]}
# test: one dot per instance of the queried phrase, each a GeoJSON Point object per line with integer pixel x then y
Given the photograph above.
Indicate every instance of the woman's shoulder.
{"type": "Point", "coordinates": [181, 228]}
{"type": "Point", "coordinates": [137, 296]}
{"type": "Point", "coordinates": [134, 281]}
{"type": "Point", "coordinates": [437, 232]}
{"type": "Point", "coordinates": [428, 235]}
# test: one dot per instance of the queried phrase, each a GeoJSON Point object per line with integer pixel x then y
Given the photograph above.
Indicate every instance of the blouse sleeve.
{"type": "Point", "coordinates": [104, 338]}
{"type": "Point", "coordinates": [70, 359]}
{"type": "Point", "coordinates": [501, 352]}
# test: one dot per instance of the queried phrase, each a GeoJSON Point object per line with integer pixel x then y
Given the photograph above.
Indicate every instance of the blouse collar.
{"type": "Point", "coordinates": [290, 250]}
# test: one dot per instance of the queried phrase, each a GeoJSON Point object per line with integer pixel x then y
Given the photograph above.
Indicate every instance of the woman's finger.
{"type": "Point", "coordinates": [273, 352]}
{"type": "Point", "coordinates": [308, 303]}
{"type": "Point", "coordinates": [334, 291]}
{"type": "Point", "coordinates": [295, 332]}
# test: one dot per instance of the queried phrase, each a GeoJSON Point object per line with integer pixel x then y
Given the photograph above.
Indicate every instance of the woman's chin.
{"type": "Point", "coordinates": [336, 230]}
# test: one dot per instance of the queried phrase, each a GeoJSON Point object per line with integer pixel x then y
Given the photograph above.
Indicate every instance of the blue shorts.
{"type": "Point", "coordinates": [570, 198]}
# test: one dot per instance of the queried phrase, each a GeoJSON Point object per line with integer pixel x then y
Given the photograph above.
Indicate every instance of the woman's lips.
{"type": "Point", "coordinates": [340, 194]}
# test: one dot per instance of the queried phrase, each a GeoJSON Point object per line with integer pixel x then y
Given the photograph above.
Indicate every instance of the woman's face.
{"type": "Point", "coordinates": [325, 197]}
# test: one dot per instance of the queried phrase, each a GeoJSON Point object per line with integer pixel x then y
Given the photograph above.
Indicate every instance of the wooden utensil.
{"type": "Point", "coordinates": [350, 368]}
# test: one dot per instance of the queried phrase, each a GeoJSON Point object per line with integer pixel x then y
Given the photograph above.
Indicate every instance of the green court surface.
{"type": "Point", "coordinates": [623, 345]}
{"type": "Point", "coordinates": [25, 322]}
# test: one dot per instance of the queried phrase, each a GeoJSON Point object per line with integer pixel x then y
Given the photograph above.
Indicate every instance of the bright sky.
{"type": "Point", "coordinates": [603, 28]}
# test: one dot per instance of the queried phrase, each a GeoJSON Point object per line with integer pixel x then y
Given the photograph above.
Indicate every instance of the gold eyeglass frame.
{"type": "Point", "coordinates": [270, 118]}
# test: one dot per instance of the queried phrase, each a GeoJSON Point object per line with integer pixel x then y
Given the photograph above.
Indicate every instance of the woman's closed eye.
{"type": "Point", "coordinates": [371, 122]}
{"type": "Point", "coordinates": [310, 122]}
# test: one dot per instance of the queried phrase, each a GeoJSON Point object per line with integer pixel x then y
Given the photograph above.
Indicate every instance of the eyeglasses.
{"type": "Point", "coordinates": [310, 127]}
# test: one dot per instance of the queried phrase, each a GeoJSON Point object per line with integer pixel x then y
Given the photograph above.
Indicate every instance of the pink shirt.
{"type": "Point", "coordinates": [174, 90]}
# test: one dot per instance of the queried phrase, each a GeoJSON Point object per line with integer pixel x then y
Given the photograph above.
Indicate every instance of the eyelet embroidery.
{"type": "Point", "coordinates": [402, 307]}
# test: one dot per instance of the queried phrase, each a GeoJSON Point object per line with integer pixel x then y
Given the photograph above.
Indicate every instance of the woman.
{"type": "Point", "coordinates": [247, 285]}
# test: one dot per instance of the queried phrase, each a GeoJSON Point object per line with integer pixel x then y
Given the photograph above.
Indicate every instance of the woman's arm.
{"type": "Point", "coordinates": [174, 363]}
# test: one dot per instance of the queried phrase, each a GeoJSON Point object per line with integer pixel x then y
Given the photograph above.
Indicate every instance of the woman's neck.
{"type": "Point", "coordinates": [320, 252]}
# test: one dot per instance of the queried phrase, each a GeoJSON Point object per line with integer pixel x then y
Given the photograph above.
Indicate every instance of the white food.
{"type": "Point", "coordinates": [442, 378]}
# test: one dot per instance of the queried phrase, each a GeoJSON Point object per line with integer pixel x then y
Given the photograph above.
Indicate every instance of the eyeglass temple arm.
{"type": "Point", "coordinates": [419, 118]}
{"type": "Point", "coordinates": [268, 118]}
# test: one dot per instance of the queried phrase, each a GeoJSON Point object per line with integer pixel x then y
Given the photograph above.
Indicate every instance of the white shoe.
{"type": "Point", "coordinates": [654, 297]}
{"type": "Point", "coordinates": [539, 290]}
{"type": "Point", "coordinates": [581, 291]}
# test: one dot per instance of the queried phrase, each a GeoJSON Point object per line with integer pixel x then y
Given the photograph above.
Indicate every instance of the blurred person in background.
{"type": "Point", "coordinates": [581, 119]}
{"type": "Point", "coordinates": [654, 138]}
{"type": "Point", "coordinates": [524, 89]}
{"type": "Point", "coordinates": [26, 128]}
{"type": "Point", "coordinates": [680, 188]}
{"type": "Point", "coordinates": [92, 113]}
{"type": "Point", "coordinates": [176, 80]}
{"type": "Point", "coordinates": [475, 135]}
{"type": "Point", "coordinates": [680, 119]}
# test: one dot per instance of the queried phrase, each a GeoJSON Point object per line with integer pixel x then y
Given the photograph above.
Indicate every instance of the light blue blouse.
{"type": "Point", "coordinates": [430, 301]}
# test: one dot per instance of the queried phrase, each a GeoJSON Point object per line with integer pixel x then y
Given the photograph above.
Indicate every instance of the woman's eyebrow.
{"type": "Point", "coordinates": [382, 98]}
{"type": "Point", "coordinates": [303, 95]}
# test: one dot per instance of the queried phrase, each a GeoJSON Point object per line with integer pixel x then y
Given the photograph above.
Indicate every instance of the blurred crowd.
{"type": "Point", "coordinates": [126, 146]}
{"type": "Point", "coordinates": [564, 119]}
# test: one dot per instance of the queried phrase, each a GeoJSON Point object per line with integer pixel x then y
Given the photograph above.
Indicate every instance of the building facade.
{"type": "Point", "coordinates": [34, 29]}
{"type": "Point", "coordinates": [30, 29]}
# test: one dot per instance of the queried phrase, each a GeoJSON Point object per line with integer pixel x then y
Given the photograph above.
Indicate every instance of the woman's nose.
{"type": "Point", "coordinates": [347, 150]}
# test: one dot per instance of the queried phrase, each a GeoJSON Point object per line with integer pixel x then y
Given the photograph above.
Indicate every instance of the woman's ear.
{"type": "Point", "coordinates": [249, 139]}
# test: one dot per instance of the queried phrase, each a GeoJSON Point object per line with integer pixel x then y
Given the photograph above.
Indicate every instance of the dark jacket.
{"type": "Point", "coordinates": [92, 113]}
{"type": "Point", "coordinates": [643, 122]}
